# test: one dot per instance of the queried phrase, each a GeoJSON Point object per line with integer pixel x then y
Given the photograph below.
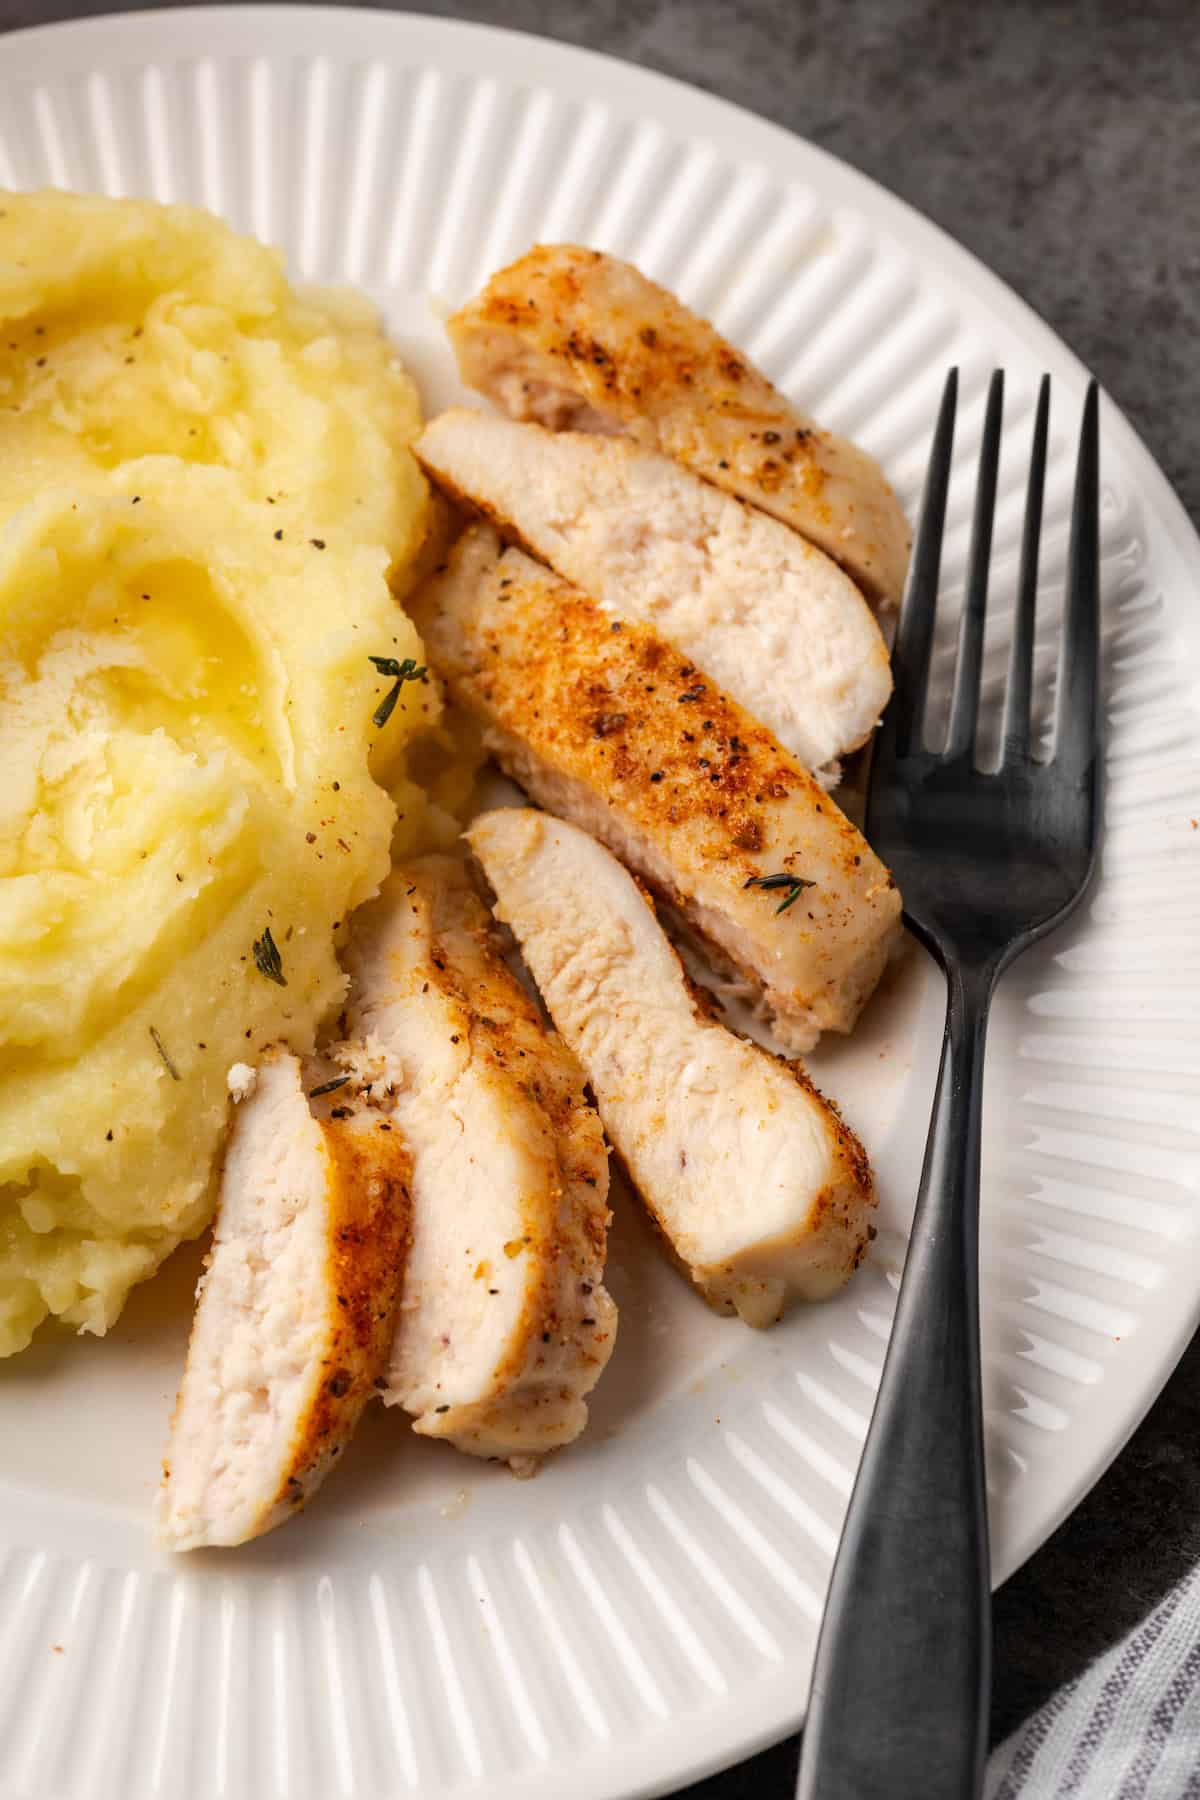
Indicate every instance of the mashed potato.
{"type": "Point", "coordinates": [187, 713]}
{"type": "Point", "coordinates": [129, 329]}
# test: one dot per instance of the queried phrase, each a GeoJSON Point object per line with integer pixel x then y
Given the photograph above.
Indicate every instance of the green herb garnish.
{"type": "Point", "coordinates": [168, 1065]}
{"type": "Point", "coordinates": [400, 672]}
{"type": "Point", "coordinates": [267, 959]}
{"type": "Point", "coordinates": [795, 885]}
{"type": "Point", "coordinates": [327, 1087]}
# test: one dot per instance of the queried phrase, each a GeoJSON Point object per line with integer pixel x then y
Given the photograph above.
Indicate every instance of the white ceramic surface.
{"type": "Point", "coordinates": [646, 1609]}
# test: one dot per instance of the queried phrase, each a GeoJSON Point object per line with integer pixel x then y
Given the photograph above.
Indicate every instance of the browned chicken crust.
{"type": "Point", "coordinates": [370, 1218]}
{"type": "Point", "coordinates": [295, 1310]}
{"type": "Point", "coordinates": [603, 723]}
{"type": "Point", "coordinates": [526, 1246]}
{"type": "Point", "coordinates": [759, 1190]}
{"type": "Point", "coordinates": [553, 1357]}
{"type": "Point", "coordinates": [576, 338]}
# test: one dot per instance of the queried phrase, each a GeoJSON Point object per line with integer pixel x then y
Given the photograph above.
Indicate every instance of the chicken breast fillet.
{"type": "Point", "coordinates": [604, 724]}
{"type": "Point", "coordinates": [505, 1325]}
{"type": "Point", "coordinates": [294, 1314]}
{"type": "Point", "coordinates": [574, 338]}
{"type": "Point", "coordinates": [761, 1192]}
{"type": "Point", "coordinates": [771, 619]}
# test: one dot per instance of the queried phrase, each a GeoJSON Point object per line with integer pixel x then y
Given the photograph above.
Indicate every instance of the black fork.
{"type": "Point", "coordinates": [987, 861]}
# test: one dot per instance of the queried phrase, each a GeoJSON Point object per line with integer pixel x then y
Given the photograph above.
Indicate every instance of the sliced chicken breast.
{"type": "Point", "coordinates": [505, 1325]}
{"type": "Point", "coordinates": [604, 724]}
{"type": "Point", "coordinates": [294, 1314]}
{"type": "Point", "coordinates": [760, 1190]}
{"type": "Point", "coordinates": [574, 338]}
{"type": "Point", "coordinates": [771, 619]}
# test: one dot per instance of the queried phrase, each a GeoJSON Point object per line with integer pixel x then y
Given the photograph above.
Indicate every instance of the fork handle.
{"type": "Point", "coordinates": [899, 1701]}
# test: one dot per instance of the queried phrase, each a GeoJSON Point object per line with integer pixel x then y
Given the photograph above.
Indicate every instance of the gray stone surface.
{"type": "Point", "coordinates": [1061, 144]}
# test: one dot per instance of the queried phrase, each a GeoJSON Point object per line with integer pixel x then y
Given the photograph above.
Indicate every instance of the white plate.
{"type": "Point", "coordinates": [645, 1610]}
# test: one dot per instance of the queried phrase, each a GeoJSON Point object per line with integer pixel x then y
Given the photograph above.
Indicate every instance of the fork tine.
{"type": "Point", "coordinates": [914, 640]}
{"type": "Point", "coordinates": [964, 706]}
{"type": "Point", "coordinates": [1077, 722]}
{"type": "Point", "coordinates": [1018, 698]}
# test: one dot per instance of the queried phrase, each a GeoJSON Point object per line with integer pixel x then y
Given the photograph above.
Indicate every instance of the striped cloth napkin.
{"type": "Point", "coordinates": [1127, 1729]}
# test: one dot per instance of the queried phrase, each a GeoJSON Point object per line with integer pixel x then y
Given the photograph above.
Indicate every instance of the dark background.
{"type": "Point", "coordinates": [1062, 145]}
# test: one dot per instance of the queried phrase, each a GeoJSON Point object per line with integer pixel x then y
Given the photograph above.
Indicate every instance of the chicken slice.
{"type": "Point", "coordinates": [574, 338]}
{"type": "Point", "coordinates": [604, 724]}
{"type": "Point", "coordinates": [758, 1187]}
{"type": "Point", "coordinates": [505, 1325]}
{"type": "Point", "coordinates": [773, 621]}
{"type": "Point", "coordinates": [294, 1314]}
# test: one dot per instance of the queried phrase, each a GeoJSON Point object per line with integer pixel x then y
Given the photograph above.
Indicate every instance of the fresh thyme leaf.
{"type": "Point", "coordinates": [387, 706]}
{"type": "Point", "coordinates": [795, 885]}
{"type": "Point", "coordinates": [793, 896]}
{"type": "Point", "coordinates": [168, 1065]}
{"type": "Point", "coordinates": [327, 1087]}
{"type": "Point", "coordinates": [400, 672]}
{"type": "Point", "coordinates": [783, 880]}
{"type": "Point", "coordinates": [267, 959]}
